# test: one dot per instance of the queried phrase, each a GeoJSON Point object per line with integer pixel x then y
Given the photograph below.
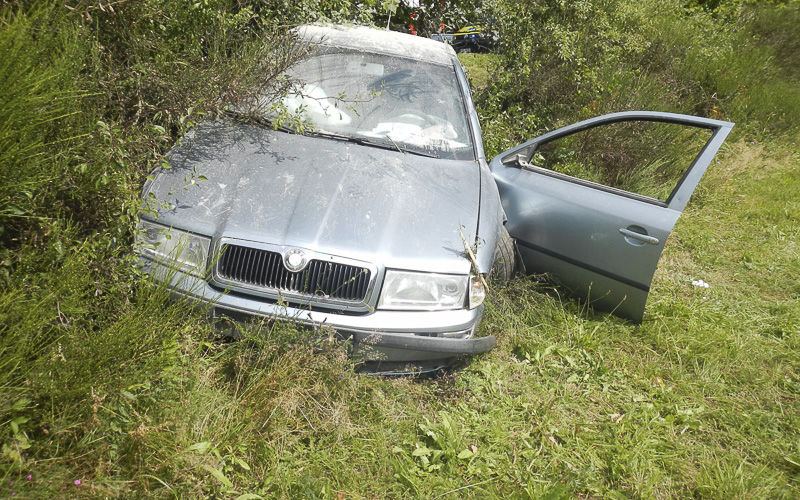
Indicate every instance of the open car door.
{"type": "Point", "coordinates": [595, 216]}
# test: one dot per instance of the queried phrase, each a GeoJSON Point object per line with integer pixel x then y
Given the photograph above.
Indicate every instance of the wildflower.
{"type": "Point", "coordinates": [701, 284]}
{"type": "Point", "coordinates": [77, 482]}
{"type": "Point", "coordinates": [29, 477]}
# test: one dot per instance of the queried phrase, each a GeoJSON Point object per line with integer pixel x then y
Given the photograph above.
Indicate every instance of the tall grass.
{"type": "Point", "coordinates": [39, 107]}
{"type": "Point", "coordinates": [91, 96]}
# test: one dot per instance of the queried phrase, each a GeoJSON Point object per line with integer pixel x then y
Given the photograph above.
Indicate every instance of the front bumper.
{"type": "Point", "coordinates": [379, 337]}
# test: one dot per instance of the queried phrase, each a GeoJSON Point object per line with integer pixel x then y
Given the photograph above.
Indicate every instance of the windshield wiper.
{"type": "Point", "coordinates": [372, 142]}
{"type": "Point", "coordinates": [329, 135]}
{"type": "Point", "coordinates": [403, 148]}
{"type": "Point", "coordinates": [364, 141]}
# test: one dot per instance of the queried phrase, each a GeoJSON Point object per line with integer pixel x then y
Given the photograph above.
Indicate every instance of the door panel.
{"type": "Point", "coordinates": [600, 242]}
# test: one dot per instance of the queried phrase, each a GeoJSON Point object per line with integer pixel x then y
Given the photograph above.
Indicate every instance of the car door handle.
{"type": "Point", "coordinates": [638, 236]}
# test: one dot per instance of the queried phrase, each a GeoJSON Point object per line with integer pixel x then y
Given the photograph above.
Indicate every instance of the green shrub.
{"type": "Point", "coordinates": [574, 60]}
{"type": "Point", "coordinates": [40, 118]}
{"type": "Point", "coordinates": [91, 96]}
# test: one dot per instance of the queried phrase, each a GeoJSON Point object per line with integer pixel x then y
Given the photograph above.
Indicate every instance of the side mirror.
{"type": "Point", "coordinates": [520, 156]}
{"type": "Point", "coordinates": [521, 161]}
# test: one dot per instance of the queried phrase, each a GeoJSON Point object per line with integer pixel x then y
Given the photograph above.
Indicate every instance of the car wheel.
{"type": "Point", "coordinates": [503, 267]}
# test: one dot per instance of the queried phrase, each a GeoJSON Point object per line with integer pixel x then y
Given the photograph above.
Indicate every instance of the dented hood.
{"type": "Point", "coordinates": [397, 210]}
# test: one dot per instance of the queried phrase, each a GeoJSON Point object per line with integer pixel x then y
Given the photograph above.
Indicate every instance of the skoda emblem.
{"type": "Point", "coordinates": [295, 260]}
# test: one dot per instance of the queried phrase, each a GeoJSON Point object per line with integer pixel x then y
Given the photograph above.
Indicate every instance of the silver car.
{"type": "Point", "coordinates": [383, 218]}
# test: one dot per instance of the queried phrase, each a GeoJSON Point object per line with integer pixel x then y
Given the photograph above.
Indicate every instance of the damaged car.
{"type": "Point", "coordinates": [383, 219]}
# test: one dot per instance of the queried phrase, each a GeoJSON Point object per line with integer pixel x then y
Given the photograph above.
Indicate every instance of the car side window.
{"type": "Point", "coordinates": [641, 157]}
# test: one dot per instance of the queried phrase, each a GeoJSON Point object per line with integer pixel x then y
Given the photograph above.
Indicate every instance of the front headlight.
{"type": "Point", "coordinates": [175, 248]}
{"type": "Point", "coordinates": [422, 291]}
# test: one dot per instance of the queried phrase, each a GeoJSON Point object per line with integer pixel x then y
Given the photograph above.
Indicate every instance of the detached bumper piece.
{"type": "Point", "coordinates": [424, 343]}
{"type": "Point", "coordinates": [392, 354]}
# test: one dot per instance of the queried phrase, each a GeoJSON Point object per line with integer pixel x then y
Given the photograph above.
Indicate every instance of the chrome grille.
{"type": "Point", "coordinates": [255, 267]}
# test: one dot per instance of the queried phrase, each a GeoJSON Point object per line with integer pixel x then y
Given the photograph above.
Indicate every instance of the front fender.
{"type": "Point", "coordinates": [490, 220]}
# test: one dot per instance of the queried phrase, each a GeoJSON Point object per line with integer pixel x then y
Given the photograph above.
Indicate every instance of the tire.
{"type": "Point", "coordinates": [504, 255]}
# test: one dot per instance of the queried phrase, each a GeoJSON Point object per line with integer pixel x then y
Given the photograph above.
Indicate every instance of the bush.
{"type": "Point", "coordinates": [574, 60]}
{"type": "Point", "coordinates": [91, 96]}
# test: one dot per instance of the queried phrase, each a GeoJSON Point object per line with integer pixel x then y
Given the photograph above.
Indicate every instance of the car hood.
{"type": "Point", "coordinates": [397, 210]}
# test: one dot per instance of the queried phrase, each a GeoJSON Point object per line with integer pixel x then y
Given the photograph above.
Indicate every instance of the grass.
{"type": "Point", "coordinates": [701, 400]}
{"type": "Point", "coordinates": [108, 389]}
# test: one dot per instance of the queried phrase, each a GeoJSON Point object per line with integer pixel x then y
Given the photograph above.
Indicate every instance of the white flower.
{"type": "Point", "coordinates": [701, 284]}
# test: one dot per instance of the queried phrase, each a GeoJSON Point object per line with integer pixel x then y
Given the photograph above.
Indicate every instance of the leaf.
{"type": "Point", "coordinates": [249, 496]}
{"type": "Point", "coordinates": [421, 451]}
{"type": "Point", "coordinates": [128, 395]}
{"type": "Point", "coordinates": [397, 449]}
{"type": "Point", "coordinates": [20, 404]}
{"type": "Point", "coordinates": [242, 463]}
{"type": "Point", "coordinates": [200, 447]}
{"type": "Point", "coordinates": [59, 246]}
{"type": "Point", "coordinates": [465, 454]}
{"type": "Point", "coordinates": [219, 475]}
{"type": "Point", "coordinates": [793, 462]}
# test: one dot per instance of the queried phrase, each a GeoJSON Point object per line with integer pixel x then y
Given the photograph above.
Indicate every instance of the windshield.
{"type": "Point", "coordinates": [411, 104]}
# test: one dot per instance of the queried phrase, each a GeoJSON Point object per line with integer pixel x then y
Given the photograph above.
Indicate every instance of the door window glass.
{"type": "Point", "coordinates": [641, 157]}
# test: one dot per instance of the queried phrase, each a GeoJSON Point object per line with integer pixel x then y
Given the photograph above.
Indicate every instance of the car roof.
{"type": "Point", "coordinates": [380, 41]}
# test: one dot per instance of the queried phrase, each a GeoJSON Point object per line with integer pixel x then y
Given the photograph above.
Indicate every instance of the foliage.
{"type": "Point", "coordinates": [566, 61]}
{"type": "Point", "coordinates": [431, 14]}
{"type": "Point", "coordinates": [38, 106]}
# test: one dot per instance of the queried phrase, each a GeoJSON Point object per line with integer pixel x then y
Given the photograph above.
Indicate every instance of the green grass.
{"type": "Point", "coordinates": [701, 400]}
{"type": "Point", "coordinates": [105, 381]}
